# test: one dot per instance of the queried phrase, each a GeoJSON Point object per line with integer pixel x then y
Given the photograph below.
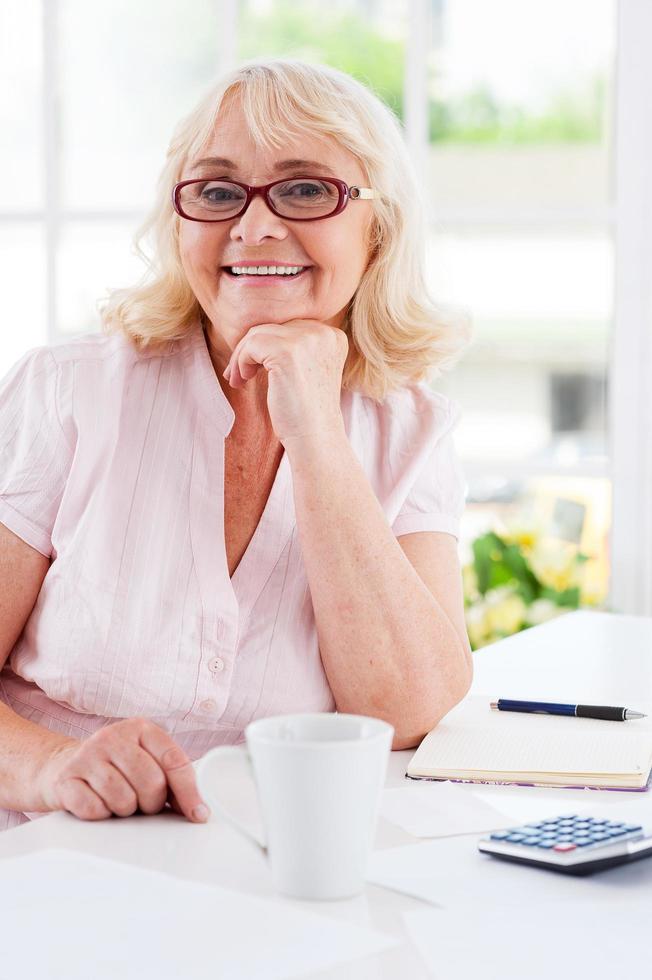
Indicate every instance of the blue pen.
{"type": "Point", "coordinates": [576, 710]}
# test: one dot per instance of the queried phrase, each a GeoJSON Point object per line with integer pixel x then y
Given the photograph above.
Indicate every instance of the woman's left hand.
{"type": "Point", "coordinates": [304, 360]}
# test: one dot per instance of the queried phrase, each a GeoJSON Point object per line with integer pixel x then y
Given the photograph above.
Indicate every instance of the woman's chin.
{"type": "Point", "coordinates": [253, 314]}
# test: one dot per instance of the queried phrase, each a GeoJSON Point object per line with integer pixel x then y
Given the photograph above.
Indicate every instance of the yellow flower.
{"type": "Point", "coordinates": [506, 611]}
{"type": "Point", "coordinates": [593, 582]}
{"type": "Point", "coordinates": [523, 535]}
{"type": "Point", "coordinates": [555, 564]}
{"type": "Point", "coordinates": [470, 582]}
{"type": "Point", "coordinates": [541, 610]}
{"type": "Point", "coordinates": [476, 624]}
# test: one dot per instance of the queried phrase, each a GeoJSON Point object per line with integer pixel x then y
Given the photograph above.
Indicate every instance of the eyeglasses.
{"type": "Point", "coordinates": [297, 199]}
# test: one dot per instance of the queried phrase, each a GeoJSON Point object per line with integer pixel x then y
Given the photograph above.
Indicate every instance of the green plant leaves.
{"type": "Point", "coordinates": [497, 563]}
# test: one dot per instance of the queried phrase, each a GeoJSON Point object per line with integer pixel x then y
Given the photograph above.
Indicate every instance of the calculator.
{"type": "Point", "coordinates": [571, 844]}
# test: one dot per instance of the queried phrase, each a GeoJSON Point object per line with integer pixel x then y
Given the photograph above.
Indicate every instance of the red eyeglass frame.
{"type": "Point", "coordinates": [345, 193]}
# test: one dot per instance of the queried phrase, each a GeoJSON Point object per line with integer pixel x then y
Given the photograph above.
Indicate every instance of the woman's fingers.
{"type": "Point", "coordinates": [178, 770]}
{"type": "Point", "coordinates": [129, 765]}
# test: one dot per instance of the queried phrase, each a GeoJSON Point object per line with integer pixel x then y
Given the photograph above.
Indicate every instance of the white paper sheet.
{"type": "Point", "coordinates": [70, 916]}
{"type": "Point", "coordinates": [452, 872]}
{"type": "Point", "coordinates": [440, 810]}
{"type": "Point", "coordinates": [593, 938]}
{"type": "Point", "coordinates": [444, 809]}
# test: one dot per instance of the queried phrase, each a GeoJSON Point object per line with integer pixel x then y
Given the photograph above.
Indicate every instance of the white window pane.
{"type": "Point", "coordinates": [21, 180]}
{"type": "Point", "coordinates": [520, 103]}
{"type": "Point", "coordinates": [532, 384]}
{"type": "Point", "coordinates": [92, 258]}
{"type": "Point", "coordinates": [555, 179]}
{"type": "Point", "coordinates": [522, 412]}
{"type": "Point", "coordinates": [128, 73]}
{"type": "Point", "coordinates": [535, 275]}
{"type": "Point", "coordinates": [22, 261]}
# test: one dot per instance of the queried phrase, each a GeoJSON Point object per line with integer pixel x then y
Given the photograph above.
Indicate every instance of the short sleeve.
{"type": "Point", "coordinates": [35, 455]}
{"type": "Point", "coordinates": [435, 502]}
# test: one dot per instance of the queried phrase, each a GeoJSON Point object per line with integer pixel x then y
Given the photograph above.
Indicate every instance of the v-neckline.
{"type": "Point", "coordinates": [273, 513]}
{"type": "Point", "coordinates": [278, 518]}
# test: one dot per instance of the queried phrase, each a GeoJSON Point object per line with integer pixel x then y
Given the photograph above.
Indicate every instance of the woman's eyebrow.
{"type": "Point", "coordinates": [281, 166]}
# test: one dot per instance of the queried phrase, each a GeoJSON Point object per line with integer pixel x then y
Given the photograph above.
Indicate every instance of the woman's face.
{"type": "Point", "coordinates": [333, 250]}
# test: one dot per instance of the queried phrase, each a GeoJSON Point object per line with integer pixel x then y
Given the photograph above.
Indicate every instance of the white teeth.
{"type": "Point", "coordinates": [266, 270]}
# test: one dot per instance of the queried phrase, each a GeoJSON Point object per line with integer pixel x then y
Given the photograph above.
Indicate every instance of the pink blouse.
{"type": "Point", "coordinates": [112, 465]}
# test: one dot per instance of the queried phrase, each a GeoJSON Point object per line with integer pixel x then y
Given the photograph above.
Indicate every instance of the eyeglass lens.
{"type": "Point", "coordinates": [297, 198]}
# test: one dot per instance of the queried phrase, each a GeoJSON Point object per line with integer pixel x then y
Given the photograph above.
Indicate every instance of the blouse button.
{"type": "Point", "coordinates": [207, 705]}
{"type": "Point", "coordinates": [216, 665]}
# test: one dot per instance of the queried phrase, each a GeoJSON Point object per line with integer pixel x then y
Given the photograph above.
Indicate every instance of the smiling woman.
{"type": "Point", "coordinates": [242, 499]}
{"type": "Point", "coordinates": [283, 119]}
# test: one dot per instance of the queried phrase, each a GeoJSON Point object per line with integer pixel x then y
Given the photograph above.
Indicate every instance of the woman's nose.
{"type": "Point", "coordinates": [257, 223]}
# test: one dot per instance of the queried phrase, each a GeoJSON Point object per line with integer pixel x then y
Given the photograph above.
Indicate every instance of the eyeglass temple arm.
{"type": "Point", "coordinates": [362, 193]}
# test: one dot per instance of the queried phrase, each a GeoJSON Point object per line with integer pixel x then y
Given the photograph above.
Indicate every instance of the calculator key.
{"type": "Point", "coordinates": [599, 822]}
{"type": "Point", "coordinates": [582, 842]}
{"type": "Point", "coordinates": [617, 833]}
{"type": "Point", "coordinates": [582, 825]}
{"type": "Point", "coordinates": [563, 848]}
{"type": "Point", "coordinates": [516, 838]}
{"type": "Point", "coordinates": [531, 841]}
{"type": "Point", "coordinates": [599, 837]}
{"type": "Point", "coordinates": [631, 827]}
{"type": "Point", "coordinates": [547, 844]}
{"type": "Point", "coordinates": [564, 838]}
{"type": "Point", "coordinates": [615, 823]}
{"type": "Point", "coordinates": [500, 835]}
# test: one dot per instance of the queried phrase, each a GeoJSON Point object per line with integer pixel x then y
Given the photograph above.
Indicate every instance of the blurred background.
{"type": "Point", "coordinates": [509, 110]}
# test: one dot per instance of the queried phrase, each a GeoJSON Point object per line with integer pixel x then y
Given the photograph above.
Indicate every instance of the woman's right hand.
{"type": "Point", "coordinates": [126, 766]}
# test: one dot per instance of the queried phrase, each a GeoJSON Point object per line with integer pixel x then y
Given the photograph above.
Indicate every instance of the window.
{"type": "Point", "coordinates": [518, 168]}
{"type": "Point", "coordinates": [509, 112]}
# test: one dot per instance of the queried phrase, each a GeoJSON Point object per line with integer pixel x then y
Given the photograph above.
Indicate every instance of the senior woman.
{"type": "Point", "coordinates": [240, 498]}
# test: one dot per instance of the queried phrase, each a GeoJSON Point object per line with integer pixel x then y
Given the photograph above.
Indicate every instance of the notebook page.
{"type": "Point", "coordinates": [473, 737]}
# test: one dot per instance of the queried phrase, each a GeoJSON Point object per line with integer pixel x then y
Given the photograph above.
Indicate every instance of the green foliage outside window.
{"type": "Point", "coordinates": [519, 578]}
{"type": "Point", "coordinates": [347, 40]}
{"type": "Point", "coordinates": [317, 32]}
{"type": "Point", "coordinates": [478, 117]}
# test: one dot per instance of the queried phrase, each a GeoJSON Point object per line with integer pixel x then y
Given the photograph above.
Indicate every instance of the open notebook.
{"type": "Point", "coordinates": [475, 744]}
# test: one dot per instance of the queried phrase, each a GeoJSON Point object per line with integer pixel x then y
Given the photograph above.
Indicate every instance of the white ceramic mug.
{"type": "Point", "coordinates": [319, 778]}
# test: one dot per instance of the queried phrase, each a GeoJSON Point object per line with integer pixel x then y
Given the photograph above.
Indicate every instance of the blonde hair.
{"type": "Point", "coordinates": [397, 334]}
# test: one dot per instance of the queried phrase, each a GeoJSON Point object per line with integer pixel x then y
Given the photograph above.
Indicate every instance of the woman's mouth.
{"type": "Point", "coordinates": [266, 273]}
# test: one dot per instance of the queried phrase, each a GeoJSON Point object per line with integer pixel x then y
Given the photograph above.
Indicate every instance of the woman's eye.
{"type": "Point", "coordinates": [304, 190]}
{"type": "Point", "coordinates": [219, 194]}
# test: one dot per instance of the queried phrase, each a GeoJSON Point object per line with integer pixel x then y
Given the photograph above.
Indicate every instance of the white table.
{"type": "Point", "coordinates": [588, 656]}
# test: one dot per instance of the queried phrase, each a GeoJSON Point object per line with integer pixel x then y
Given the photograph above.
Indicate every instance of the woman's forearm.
{"type": "Point", "coordinates": [387, 645]}
{"type": "Point", "coordinates": [24, 748]}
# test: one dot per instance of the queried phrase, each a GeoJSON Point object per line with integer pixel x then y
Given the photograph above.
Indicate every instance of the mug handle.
{"type": "Point", "coordinates": [234, 752]}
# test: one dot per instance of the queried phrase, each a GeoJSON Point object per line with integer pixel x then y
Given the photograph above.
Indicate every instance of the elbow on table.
{"type": "Point", "coordinates": [411, 735]}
